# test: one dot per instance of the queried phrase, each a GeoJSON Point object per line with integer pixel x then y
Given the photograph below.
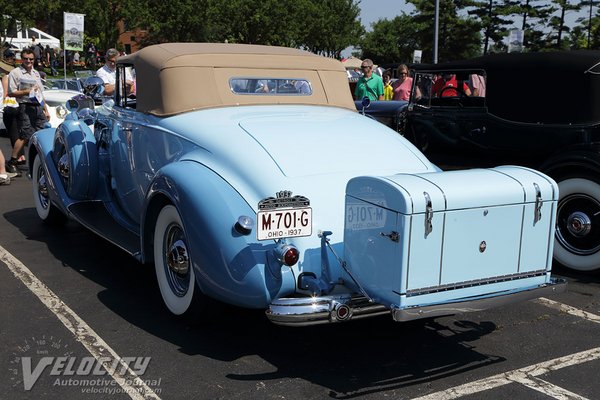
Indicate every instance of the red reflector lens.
{"type": "Point", "coordinates": [291, 256]}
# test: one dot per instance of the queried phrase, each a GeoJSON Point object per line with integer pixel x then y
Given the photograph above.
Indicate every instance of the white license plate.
{"type": "Point", "coordinates": [284, 223]}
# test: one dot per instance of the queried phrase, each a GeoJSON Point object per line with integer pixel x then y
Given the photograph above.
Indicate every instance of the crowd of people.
{"type": "Point", "coordinates": [382, 87]}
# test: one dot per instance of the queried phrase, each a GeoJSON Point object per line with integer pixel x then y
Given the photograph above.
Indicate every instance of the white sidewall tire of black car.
{"type": "Point", "coordinates": [45, 210]}
{"type": "Point", "coordinates": [177, 304]}
{"type": "Point", "coordinates": [567, 187]}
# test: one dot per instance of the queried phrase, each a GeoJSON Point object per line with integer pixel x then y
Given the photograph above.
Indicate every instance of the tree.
{"type": "Point", "coordinates": [558, 25]}
{"type": "Point", "coordinates": [391, 41]}
{"type": "Point", "coordinates": [493, 19]}
{"type": "Point", "coordinates": [534, 14]}
{"type": "Point", "coordinates": [459, 37]}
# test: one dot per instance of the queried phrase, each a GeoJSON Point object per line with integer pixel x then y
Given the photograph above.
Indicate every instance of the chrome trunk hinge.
{"type": "Point", "coordinates": [428, 214]}
{"type": "Point", "coordinates": [537, 213]}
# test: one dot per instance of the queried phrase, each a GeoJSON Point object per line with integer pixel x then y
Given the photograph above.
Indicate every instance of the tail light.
{"type": "Point", "coordinates": [287, 254]}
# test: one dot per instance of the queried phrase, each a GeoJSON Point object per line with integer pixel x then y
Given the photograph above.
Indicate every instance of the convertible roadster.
{"type": "Point", "coordinates": [244, 174]}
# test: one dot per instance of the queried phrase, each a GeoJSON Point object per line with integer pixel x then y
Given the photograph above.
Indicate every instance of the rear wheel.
{"type": "Point", "coordinates": [174, 267]}
{"type": "Point", "coordinates": [577, 240]}
{"type": "Point", "coordinates": [47, 212]}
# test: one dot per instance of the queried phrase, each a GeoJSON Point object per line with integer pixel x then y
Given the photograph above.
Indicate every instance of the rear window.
{"type": "Point", "coordinates": [270, 86]}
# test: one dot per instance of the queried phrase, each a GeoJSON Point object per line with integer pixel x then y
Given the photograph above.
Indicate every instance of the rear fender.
{"type": "Point", "coordinates": [229, 266]}
{"type": "Point", "coordinates": [575, 161]}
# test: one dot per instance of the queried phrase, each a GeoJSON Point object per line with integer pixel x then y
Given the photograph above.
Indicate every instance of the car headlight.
{"type": "Point", "coordinates": [61, 112]}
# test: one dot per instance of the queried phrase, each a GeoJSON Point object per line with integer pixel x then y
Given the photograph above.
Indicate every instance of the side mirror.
{"type": "Point", "coordinates": [366, 102]}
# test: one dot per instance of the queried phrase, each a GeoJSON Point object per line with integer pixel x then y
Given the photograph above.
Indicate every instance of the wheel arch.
{"type": "Point", "coordinates": [229, 266]}
{"type": "Point", "coordinates": [572, 163]}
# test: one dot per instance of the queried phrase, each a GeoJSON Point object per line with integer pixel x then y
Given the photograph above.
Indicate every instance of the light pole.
{"type": "Point", "coordinates": [436, 26]}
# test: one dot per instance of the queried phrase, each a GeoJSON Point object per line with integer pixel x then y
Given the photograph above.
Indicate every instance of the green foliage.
{"type": "Point", "coordinates": [391, 41]}
{"type": "Point", "coordinates": [467, 28]}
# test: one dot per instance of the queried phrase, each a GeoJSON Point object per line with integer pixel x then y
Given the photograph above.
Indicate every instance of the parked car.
{"type": "Point", "coordinates": [56, 100]}
{"type": "Point", "coordinates": [286, 199]}
{"type": "Point", "coordinates": [519, 118]}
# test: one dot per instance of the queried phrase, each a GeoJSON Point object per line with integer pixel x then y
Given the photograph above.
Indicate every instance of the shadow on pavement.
{"type": "Point", "coordinates": [350, 360]}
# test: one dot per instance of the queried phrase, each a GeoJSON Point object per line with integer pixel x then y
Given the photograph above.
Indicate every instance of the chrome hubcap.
{"type": "Point", "coordinates": [42, 188]}
{"type": "Point", "coordinates": [176, 260]}
{"type": "Point", "coordinates": [578, 225]}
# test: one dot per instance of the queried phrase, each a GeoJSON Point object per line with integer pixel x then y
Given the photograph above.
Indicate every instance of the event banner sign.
{"type": "Point", "coordinates": [74, 31]}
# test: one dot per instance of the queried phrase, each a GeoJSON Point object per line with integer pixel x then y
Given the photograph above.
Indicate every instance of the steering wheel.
{"type": "Point", "coordinates": [459, 91]}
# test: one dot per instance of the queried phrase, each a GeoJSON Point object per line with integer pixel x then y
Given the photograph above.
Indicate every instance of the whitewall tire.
{"type": "Point", "coordinates": [577, 240]}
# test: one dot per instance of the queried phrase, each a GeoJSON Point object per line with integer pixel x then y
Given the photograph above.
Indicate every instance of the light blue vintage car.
{"type": "Point", "coordinates": [244, 174]}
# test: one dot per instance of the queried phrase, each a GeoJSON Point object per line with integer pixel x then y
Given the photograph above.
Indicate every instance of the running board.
{"type": "Point", "coordinates": [95, 217]}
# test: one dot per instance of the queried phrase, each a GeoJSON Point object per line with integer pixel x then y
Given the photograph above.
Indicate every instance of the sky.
{"type": "Point", "coordinates": [374, 10]}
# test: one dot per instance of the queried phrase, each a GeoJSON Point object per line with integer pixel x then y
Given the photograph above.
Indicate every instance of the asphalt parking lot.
{"type": "Point", "coordinates": [81, 319]}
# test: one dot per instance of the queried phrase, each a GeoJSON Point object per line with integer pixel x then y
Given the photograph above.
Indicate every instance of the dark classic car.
{"type": "Point", "coordinates": [539, 110]}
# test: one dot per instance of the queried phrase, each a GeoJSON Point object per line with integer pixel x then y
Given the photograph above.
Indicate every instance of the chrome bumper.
{"type": "Point", "coordinates": [556, 285]}
{"type": "Point", "coordinates": [304, 311]}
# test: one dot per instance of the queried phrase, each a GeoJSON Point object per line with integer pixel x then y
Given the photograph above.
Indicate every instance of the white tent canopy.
{"type": "Point", "coordinates": [23, 38]}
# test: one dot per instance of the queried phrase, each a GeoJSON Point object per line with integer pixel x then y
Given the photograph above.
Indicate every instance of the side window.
{"type": "Point", "coordinates": [125, 86]}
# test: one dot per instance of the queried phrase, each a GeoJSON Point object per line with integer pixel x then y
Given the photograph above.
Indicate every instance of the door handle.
{"type": "Point", "coordinates": [478, 131]}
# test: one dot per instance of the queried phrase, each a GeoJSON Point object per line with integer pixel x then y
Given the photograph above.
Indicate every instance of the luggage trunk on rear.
{"type": "Point", "coordinates": [414, 240]}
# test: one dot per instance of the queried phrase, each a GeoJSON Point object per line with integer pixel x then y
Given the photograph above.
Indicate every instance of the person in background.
{"type": "Point", "coordinates": [369, 85]}
{"type": "Point", "coordinates": [5, 176]}
{"type": "Point", "coordinates": [447, 86]}
{"type": "Point", "coordinates": [9, 115]}
{"type": "Point", "coordinates": [403, 86]}
{"type": "Point", "coordinates": [108, 73]}
{"type": "Point", "coordinates": [90, 56]}
{"type": "Point", "coordinates": [477, 84]}
{"type": "Point", "coordinates": [388, 92]}
{"type": "Point", "coordinates": [23, 82]}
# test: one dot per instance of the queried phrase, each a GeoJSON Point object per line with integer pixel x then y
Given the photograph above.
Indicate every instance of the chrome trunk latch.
{"type": "Point", "coordinates": [428, 214]}
{"type": "Point", "coordinates": [537, 213]}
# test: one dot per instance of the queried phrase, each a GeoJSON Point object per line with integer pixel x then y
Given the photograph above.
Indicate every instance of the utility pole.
{"type": "Point", "coordinates": [436, 28]}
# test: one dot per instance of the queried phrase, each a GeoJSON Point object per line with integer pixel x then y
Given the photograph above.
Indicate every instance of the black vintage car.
{"type": "Point", "coordinates": [540, 110]}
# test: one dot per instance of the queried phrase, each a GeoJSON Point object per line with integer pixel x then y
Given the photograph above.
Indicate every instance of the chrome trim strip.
{"type": "Point", "coordinates": [476, 282]}
{"type": "Point", "coordinates": [556, 285]}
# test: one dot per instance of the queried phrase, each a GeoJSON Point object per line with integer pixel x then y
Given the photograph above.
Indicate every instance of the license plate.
{"type": "Point", "coordinates": [284, 223]}
{"type": "Point", "coordinates": [362, 216]}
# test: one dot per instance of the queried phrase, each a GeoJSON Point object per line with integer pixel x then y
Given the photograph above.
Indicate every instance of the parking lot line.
{"type": "Point", "coordinates": [568, 309]}
{"type": "Point", "coordinates": [506, 378]}
{"type": "Point", "coordinates": [131, 383]}
{"type": "Point", "coordinates": [548, 388]}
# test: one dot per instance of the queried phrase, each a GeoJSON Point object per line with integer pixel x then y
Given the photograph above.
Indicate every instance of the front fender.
{"type": "Point", "coordinates": [41, 145]}
{"type": "Point", "coordinates": [229, 266]}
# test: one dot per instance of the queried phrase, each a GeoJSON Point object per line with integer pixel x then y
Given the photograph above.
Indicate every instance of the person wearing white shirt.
{"type": "Point", "coordinates": [108, 73]}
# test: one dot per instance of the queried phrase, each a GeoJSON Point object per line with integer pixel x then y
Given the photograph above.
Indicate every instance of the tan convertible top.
{"type": "Point", "coordinates": [172, 78]}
